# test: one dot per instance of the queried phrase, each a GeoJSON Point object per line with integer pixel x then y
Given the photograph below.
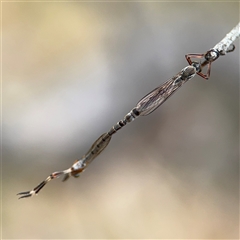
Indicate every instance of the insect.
{"type": "Point", "coordinates": [145, 106]}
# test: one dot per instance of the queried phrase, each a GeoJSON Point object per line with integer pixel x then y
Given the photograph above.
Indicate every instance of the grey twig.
{"type": "Point", "coordinates": [224, 45]}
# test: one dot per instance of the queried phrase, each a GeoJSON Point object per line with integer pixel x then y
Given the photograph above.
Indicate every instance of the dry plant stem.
{"type": "Point", "coordinates": [147, 105]}
{"type": "Point", "coordinates": [224, 45]}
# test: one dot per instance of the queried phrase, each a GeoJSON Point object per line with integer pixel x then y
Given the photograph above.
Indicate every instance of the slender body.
{"type": "Point", "coordinates": [145, 106]}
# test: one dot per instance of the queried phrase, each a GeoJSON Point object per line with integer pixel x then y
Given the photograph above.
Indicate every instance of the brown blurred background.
{"type": "Point", "coordinates": [71, 71]}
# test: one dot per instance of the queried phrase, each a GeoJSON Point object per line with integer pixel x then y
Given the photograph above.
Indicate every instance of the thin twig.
{"type": "Point", "coordinates": [224, 45]}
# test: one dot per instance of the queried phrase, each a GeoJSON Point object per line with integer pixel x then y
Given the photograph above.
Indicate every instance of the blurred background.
{"type": "Point", "coordinates": [70, 72]}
